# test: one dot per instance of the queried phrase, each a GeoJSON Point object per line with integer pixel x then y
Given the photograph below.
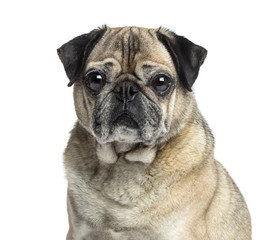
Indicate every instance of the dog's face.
{"type": "Point", "coordinates": [132, 85]}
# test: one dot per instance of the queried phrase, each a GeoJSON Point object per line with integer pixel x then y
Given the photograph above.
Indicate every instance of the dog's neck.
{"type": "Point", "coordinates": [110, 152]}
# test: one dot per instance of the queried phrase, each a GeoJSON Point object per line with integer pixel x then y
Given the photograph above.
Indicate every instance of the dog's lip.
{"type": "Point", "coordinates": [124, 114]}
{"type": "Point", "coordinates": [125, 118]}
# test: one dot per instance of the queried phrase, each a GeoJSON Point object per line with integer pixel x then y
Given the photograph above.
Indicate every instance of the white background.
{"type": "Point", "coordinates": [236, 91]}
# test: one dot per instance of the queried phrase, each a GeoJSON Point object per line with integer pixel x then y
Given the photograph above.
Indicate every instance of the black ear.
{"type": "Point", "coordinates": [74, 53]}
{"type": "Point", "coordinates": [187, 57]}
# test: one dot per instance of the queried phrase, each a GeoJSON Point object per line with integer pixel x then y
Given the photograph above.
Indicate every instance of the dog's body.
{"type": "Point", "coordinates": [140, 161]}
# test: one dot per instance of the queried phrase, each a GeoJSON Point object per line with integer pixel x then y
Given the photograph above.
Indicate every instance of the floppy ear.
{"type": "Point", "coordinates": [74, 53]}
{"type": "Point", "coordinates": [187, 57]}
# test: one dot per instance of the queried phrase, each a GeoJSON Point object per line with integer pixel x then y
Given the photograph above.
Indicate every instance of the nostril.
{"type": "Point", "coordinates": [126, 91]}
{"type": "Point", "coordinates": [133, 90]}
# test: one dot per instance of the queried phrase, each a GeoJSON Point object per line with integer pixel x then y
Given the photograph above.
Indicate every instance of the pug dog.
{"type": "Point", "coordinates": [140, 160]}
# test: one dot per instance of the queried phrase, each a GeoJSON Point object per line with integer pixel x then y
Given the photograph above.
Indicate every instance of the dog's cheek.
{"type": "Point", "coordinates": [101, 117]}
{"type": "Point", "coordinates": [83, 106]}
{"type": "Point", "coordinates": [183, 110]}
{"type": "Point", "coordinates": [167, 108]}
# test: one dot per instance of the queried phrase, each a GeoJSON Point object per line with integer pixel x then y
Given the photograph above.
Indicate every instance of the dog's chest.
{"type": "Point", "coordinates": [112, 196]}
{"type": "Point", "coordinates": [125, 182]}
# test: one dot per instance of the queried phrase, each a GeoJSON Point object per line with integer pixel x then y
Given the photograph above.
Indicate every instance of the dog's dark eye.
{"type": "Point", "coordinates": [161, 83]}
{"type": "Point", "coordinates": [94, 81]}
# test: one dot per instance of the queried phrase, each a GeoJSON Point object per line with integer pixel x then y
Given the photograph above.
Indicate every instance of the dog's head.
{"type": "Point", "coordinates": [131, 84]}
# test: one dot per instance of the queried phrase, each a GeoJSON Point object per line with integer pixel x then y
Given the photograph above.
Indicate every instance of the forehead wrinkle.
{"type": "Point", "coordinates": [133, 45]}
{"type": "Point", "coordinates": [126, 43]}
{"type": "Point", "coordinates": [112, 46]}
{"type": "Point", "coordinates": [100, 64]}
{"type": "Point", "coordinates": [139, 44]}
{"type": "Point", "coordinates": [154, 66]}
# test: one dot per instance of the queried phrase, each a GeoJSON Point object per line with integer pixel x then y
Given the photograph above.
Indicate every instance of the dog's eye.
{"type": "Point", "coordinates": [94, 81]}
{"type": "Point", "coordinates": [161, 83]}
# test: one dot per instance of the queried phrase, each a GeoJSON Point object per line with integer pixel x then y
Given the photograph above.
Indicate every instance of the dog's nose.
{"type": "Point", "coordinates": [126, 91]}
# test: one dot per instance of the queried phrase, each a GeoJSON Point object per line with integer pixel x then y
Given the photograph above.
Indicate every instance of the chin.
{"type": "Point", "coordinates": [125, 135]}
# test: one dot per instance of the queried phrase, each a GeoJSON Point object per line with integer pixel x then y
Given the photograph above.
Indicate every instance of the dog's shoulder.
{"type": "Point", "coordinates": [80, 155]}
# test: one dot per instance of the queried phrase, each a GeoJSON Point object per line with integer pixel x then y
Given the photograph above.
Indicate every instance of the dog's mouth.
{"type": "Point", "coordinates": [125, 119]}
